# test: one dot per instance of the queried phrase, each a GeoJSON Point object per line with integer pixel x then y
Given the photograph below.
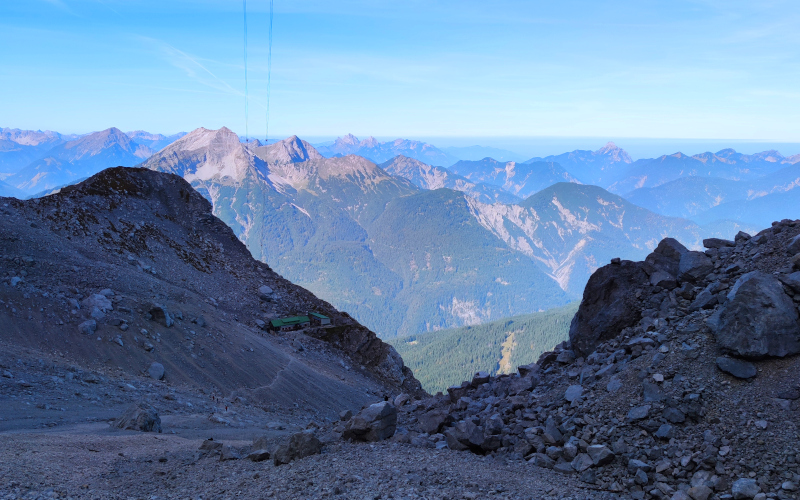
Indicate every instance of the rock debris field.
{"type": "Point", "coordinates": [134, 363]}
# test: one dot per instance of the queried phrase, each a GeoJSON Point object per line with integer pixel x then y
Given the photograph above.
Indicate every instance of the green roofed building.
{"type": "Point", "coordinates": [319, 319]}
{"type": "Point", "coordinates": [290, 323]}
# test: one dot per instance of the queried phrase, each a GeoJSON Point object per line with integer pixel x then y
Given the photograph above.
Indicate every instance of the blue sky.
{"type": "Point", "coordinates": [636, 69]}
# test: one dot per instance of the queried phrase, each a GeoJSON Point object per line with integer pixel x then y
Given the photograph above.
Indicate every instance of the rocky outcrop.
{"type": "Point", "coordinates": [140, 417]}
{"type": "Point", "coordinates": [758, 319]}
{"type": "Point", "coordinates": [651, 397]}
{"type": "Point", "coordinates": [298, 445]}
{"type": "Point", "coordinates": [608, 305]}
{"type": "Point", "coordinates": [374, 423]}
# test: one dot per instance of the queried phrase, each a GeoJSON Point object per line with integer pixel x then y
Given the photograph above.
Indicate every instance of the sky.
{"type": "Point", "coordinates": [706, 69]}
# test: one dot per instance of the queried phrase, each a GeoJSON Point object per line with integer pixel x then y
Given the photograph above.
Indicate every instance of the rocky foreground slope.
{"type": "Point", "coordinates": [680, 380]}
{"type": "Point", "coordinates": [130, 268]}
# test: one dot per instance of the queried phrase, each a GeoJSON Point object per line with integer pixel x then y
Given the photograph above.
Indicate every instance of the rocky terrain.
{"type": "Point", "coordinates": [680, 380]}
{"type": "Point", "coordinates": [133, 345]}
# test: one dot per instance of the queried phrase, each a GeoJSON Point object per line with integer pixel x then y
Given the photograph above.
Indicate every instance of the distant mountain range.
{"type": "Point", "coordinates": [407, 247]}
{"type": "Point", "coordinates": [34, 161]}
{"type": "Point", "coordinates": [79, 158]}
{"type": "Point", "coordinates": [519, 179]}
{"type": "Point", "coordinates": [155, 142]}
{"type": "Point", "coordinates": [599, 167]}
{"type": "Point", "coordinates": [429, 177]}
{"type": "Point", "coordinates": [380, 152]}
{"type": "Point", "coordinates": [18, 147]}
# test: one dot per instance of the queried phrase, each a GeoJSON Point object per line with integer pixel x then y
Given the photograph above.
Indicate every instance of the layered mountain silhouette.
{"type": "Point", "coordinates": [592, 167]}
{"type": "Point", "coordinates": [79, 158]}
{"type": "Point", "coordinates": [155, 142]}
{"type": "Point", "coordinates": [380, 152]}
{"type": "Point", "coordinates": [430, 177]}
{"type": "Point", "coordinates": [520, 179]}
{"type": "Point", "coordinates": [18, 147]}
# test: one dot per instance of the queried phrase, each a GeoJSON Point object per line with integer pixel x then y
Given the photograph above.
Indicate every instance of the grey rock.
{"type": "Point", "coordinates": [744, 489]}
{"type": "Point", "coordinates": [258, 455]}
{"type": "Point", "coordinates": [665, 432]}
{"type": "Point", "coordinates": [718, 243]}
{"type": "Point", "coordinates": [680, 495]}
{"type": "Point", "coordinates": [694, 266]}
{"type": "Point", "coordinates": [345, 415]}
{"type": "Point", "coordinates": [401, 399]}
{"type": "Point", "coordinates": [737, 367]}
{"type": "Point", "coordinates": [433, 420]}
{"type": "Point", "coordinates": [641, 477]}
{"type": "Point", "coordinates": [741, 237]}
{"type": "Point", "coordinates": [600, 454]}
{"type": "Point", "coordinates": [374, 423]}
{"type": "Point", "coordinates": [265, 292]}
{"type": "Point", "coordinates": [15, 280]}
{"type": "Point", "coordinates": [701, 492]}
{"type": "Point", "coordinates": [564, 468]}
{"type": "Point", "coordinates": [227, 453]}
{"type": "Point", "coordinates": [297, 446]}
{"type": "Point", "coordinates": [651, 392]}
{"type": "Point", "coordinates": [609, 305]}
{"type": "Point", "coordinates": [88, 327]}
{"type": "Point", "coordinates": [674, 415]}
{"type": "Point", "coordinates": [792, 281]}
{"type": "Point", "coordinates": [573, 392]}
{"type": "Point", "coordinates": [667, 256]}
{"type": "Point", "coordinates": [542, 460]}
{"type": "Point", "coordinates": [637, 413]}
{"type": "Point", "coordinates": [664, 280]}
{"type": "Point", "coordinates": [794, 245]}
{"type": "Point", "coordinates": [614, 384]}
{"type": "Point", "coordinates": [706, 299]}
{"type": "Point", "coordinates": [156, 371]}
{"type": "Point", "coordinates": [566, 357]}
{"type": "Point", "coordinates": [758, 320]}
{"type": "Point", "coordinates": [101, 302]}
{"type": "Point", "coordinates": [480, 378]}
{"type": "Point", "coordinates": [582, 462]}
{"type": "Point", "coordinates": [159, 314]}
{"type": "Point", "coordinates": [525, 370]}
{"type": "Point", "coordinates": [634, 465]}
{"type": "Point", "coordinates": [140, 417]}
{"type": "Point", "coordinates": [211, 447]}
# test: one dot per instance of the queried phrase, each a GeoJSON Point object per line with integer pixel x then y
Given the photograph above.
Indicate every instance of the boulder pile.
{"type": "Point", "coordinates": [679, 380]}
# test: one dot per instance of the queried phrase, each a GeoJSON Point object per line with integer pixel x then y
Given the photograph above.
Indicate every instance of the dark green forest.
{"type": "Point", "coordinates": [447, 357]}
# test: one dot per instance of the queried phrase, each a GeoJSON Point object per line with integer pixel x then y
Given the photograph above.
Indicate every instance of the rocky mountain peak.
{"type": "Point", "coordinates": [289, 150]}
{"type": "Point", "coordinates": [615, 153]}
{"type": "Point", "coordinates": [348, 140]}
{"type": "Point", "coordinates": [369, 142]}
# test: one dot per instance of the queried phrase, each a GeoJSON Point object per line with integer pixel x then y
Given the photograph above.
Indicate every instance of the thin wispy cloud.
{"type": "Point", "coordinates": [191, 66]}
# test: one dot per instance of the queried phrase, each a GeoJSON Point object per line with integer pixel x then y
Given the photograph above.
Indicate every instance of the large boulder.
{"type": "Point", "coordinates": [758, 320]}
{"type": "Point", "coordinates": [374, 423]}
{"type": "Point", "coordinates": [694, 266]}
{"type": "Point", "coordinates": [299, 445]}
{"type": "Point", "coordinates": [609, 305]}
{"type": "Point", "coordinates": [156, 370]}
{"type": "Point", "coordinates": [667, 256]}
{"type": "Point", "coordinates": [139, 417]}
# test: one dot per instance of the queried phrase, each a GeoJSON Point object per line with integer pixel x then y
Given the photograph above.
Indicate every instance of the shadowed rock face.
{"type": "Point", "coordinates": [147, 269]}
{"type": "Point", "coordinates": [608, 305]}
{"type": "Point", "coordinates": [758, 320]}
